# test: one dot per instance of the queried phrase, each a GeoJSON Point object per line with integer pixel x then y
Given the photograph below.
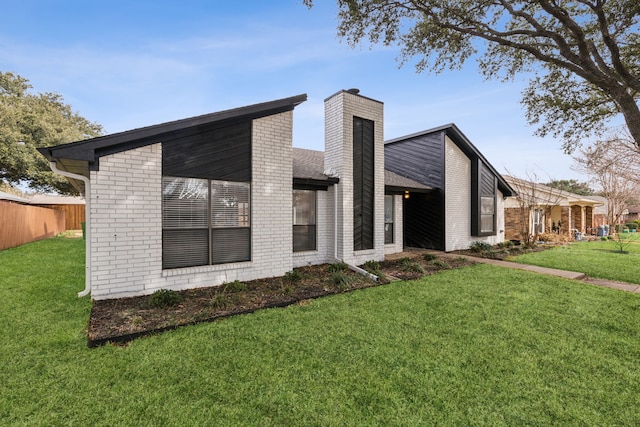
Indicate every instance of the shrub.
{"type": "Point", "coordinates": [338, 266]}
{"type": "Point", "coordinates": [429, 257]}
{"type": "Point", "coordinates": [372, 266]}
{"type": "Point", "coordinates": [441, 264]}
{"type": "Point", "coordinates": [479, 246]}
{"type": "Point", "coordinates": [411, 266]}
{"type": "Point", "coordinates": [507, 244]}
{"type": "Point", "coordinates": [341, 280]}
{"type": "Point", "coordinates": [220, 301]}
{"type": "Point", "coordinates": [293, 276]}
{"type": "Point", "coordinates": [164, 298]}
{"type": "Point", "coordinates": [603, 238]}
{"type": "Point", "coordinates": [235, 286]}
{"type": "Point", "coordinates": [631, 226]}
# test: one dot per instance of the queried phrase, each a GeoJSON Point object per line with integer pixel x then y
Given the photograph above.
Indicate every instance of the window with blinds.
{"type": "Point", "coordinates": [484, 201]}
{"type": "Point", "coordinates": [388, 219]}
{"type": "Point", "coordinates": [204, 222]}
{"type": "Point", "coordinates": [304, 220]}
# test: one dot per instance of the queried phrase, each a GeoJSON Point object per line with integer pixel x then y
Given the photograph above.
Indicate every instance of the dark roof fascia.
{"type": "Point", "coordinates": [313, 184]}
{"type": "Point", "coordinates": [90, 150]}
{"type": "Point", "coordinates": [461, 140]}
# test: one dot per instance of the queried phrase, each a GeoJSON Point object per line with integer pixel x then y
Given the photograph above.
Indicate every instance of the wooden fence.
{"type": "Point", "coordinates": [20, 224]}
{"type": "Point", "coordinates": [74, 215]}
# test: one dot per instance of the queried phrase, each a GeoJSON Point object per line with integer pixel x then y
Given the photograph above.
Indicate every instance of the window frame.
{"type": "Point", "coordinates": [390, 232]}
{"type": "Point", "coordinates": [484, 186]}
{"type": "Point", "coordinates": [310, 226]}
{"type": "Point", "coordinates": [243, 234]}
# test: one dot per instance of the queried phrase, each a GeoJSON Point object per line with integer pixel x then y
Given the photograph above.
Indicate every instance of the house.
{"type": "Point", "coordinates": [225, 196]}
{"type": "Point", "coordinates": [467, 200]}
{"type": "Point", "coordinates": [542, 209]}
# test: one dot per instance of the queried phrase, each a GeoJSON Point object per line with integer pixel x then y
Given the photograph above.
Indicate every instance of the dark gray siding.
{"type": "Point", "coordinates": [221, 153]}
{"type": "Point", "coordinates": [421, 159]}
{"type": "Point", "coordinates": [363, 183]}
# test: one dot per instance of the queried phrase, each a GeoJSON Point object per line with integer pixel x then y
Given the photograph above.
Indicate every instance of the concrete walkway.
{"type": "Point", "coordinates": [623, 286]}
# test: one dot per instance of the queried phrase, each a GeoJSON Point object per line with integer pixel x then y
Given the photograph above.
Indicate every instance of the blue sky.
{"type": "Point", "coordinates": [128, 64]}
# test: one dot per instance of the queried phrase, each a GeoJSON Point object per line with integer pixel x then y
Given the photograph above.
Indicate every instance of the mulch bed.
{"type": "Point", "coordinates": [119, 321]}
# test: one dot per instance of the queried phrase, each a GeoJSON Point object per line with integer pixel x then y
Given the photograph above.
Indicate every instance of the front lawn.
{"type": "Point", "coordinates": [481, 345]}
{"type": "Point", "coordinates": [600, 259]}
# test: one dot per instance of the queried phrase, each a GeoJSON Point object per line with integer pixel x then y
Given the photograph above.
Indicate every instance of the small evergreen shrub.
{"type": "Point", "coordinates": [164, 298]}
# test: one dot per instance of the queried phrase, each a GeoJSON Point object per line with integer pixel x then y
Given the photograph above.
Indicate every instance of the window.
{"type": "Point", "coordinates": [206, 202]}
{"type": "Point", "coordinates": [304, 220]}
{"type": "Point", "coordinates": [204, 222]}
{"type": "Point", "coordinates": [388, 219]}
{"type": "Point", "coordinates": [487, 214]}
{"type": "Point", "coordinates": [483, 201]}
{"type": "Point", "coordinates": [538, 221]}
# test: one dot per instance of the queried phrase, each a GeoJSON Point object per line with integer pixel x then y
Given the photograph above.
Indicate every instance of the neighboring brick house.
{"type": "Point", "coordinates": [547, 210]}
{"type": "Point", "coordinates": [224, 196]}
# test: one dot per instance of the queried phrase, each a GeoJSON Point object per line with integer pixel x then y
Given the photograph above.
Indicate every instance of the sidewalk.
{"type": "Point", "coordinates": [623, 286]}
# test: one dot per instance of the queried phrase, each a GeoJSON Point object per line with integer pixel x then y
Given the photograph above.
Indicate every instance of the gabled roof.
{"type": "Point", "coordinates": [82, 156]}
{"type": "Point", "coordinates": [552, 195]}
{"type": "Point", "coordinates": [470, 150]}
{"type": "Point", "coordinates": [308, 166]}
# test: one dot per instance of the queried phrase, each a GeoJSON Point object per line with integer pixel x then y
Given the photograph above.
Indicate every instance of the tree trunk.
{"type": "Point", "coordinates": [631, 113]}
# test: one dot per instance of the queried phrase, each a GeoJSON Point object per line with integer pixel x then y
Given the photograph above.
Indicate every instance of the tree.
{"type": "Point", "coordinates": [29, 121]}
{"type": "Point", "coordinates": [611, 163]}
{"type": "Point", "coordinates": [584, 54]}
{"type": "Point", "coordinates": [572, 186]}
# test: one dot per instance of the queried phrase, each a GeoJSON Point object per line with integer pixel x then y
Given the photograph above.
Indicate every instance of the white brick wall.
{"type": "Point", "coordinates": [126, 226]}
{"type": "Point", "coordinates": [458, 202]}
{"type": "Point", "coordinates": [339, 111]}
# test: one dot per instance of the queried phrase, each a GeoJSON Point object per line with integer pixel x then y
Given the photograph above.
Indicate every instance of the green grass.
{"type": "Point", "coordinates": [481, 345]}
{"type": "Point", "coordinates": [600, 259]}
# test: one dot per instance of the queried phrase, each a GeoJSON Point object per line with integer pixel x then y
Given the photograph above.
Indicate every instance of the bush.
{"type": "Point", "coordinates": [235, 286]}
{"type": "Point", "coordinates": [411, 266]}
{"type": "Point", "coordinates": [293, 276]}
{"type": "Point", "coordinates": [164, 298]}
{"type": "Point", "coordinates": [505, 244]}
{"type": "Point", "coordinates": [631, 226]}
{"type": "Point", "coordinates": [479, 246]}
{"type": "Point", "coordinates": [372, 266]}
{"type": "Point", "coordinates": [338, 266]}
{"type": "Point", "coordinates": [341, 280]}
{"type": "Point", "coordinates": [429, 257]}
